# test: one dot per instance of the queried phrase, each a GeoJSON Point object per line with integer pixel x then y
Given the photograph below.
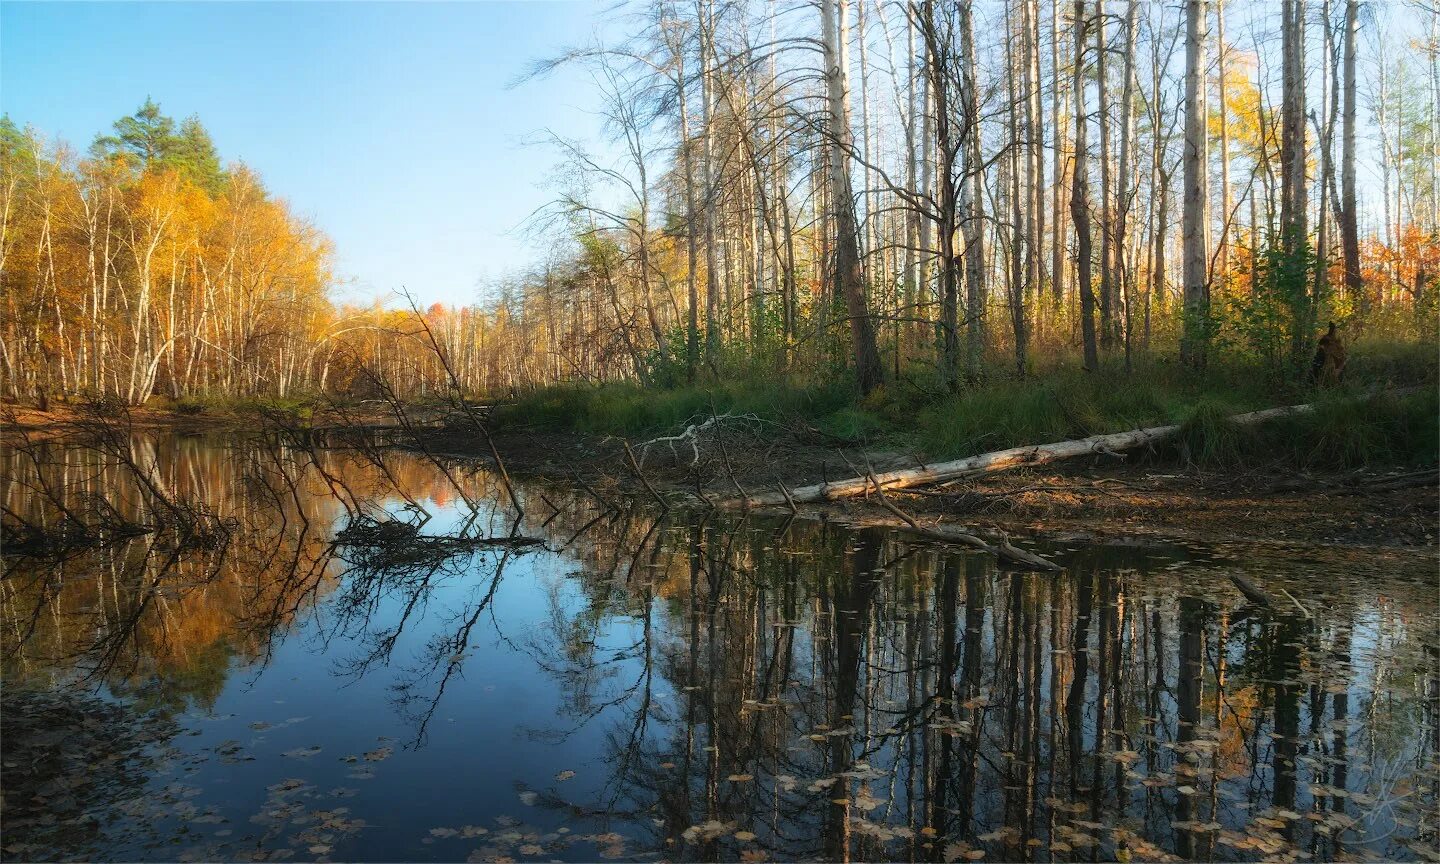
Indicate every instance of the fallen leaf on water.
{"type": "Point", "coordinates": [753, 855]}
{"type": "Point", "coordinates": [740, 778]}
{"type": "Point", "coordinates": [532, 849]}
{"type": "Point", "coordinates": [564, 775]}
{"type": "Point", "coordinates": [744, 835]}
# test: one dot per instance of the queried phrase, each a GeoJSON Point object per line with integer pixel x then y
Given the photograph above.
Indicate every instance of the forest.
{"type": "Point", "coordinates": [922, 430]}
{"type": "Point", "coordinates": [912, 198]}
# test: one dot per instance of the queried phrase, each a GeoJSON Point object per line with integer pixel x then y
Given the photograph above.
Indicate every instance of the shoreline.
{"type": "Point", "coordinates": [1149, 497]}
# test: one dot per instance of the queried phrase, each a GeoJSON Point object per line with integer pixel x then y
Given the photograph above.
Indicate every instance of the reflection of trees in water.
{"type": "Point", "coordinates": [927, 705]}
{"type": "Point", "coordinates": [839, 694]}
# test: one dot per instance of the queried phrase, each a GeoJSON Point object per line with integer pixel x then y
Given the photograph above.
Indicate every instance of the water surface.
{"type": "Point", "coordinates": [678, 687]}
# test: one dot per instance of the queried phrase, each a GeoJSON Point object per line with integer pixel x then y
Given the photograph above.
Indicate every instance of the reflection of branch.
{"type": "Point", "coordinates": [451, 650]}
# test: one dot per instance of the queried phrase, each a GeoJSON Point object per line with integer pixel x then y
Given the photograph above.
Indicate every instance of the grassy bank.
{"type": "Point", "coordinates": [1347, 429]}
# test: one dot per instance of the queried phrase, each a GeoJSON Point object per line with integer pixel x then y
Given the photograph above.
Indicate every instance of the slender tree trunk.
{"type": "Point", "coordinates": [692, 252]}
{"type": "Point", "coordinates": [1223, 53]}
{"type": "Point", "coordinates": [849, 278]}
{"type": "Point", "coordinates": [1018, 192]}
{"type": "Point", "coordinates": [1195, 337]}
{"type": "Point", "coordinates": [1058, 228]}
{"type": "Point", "coordinates": [1080, 197]}
{"type": "Point", "coordinates": [1294, 195]}
{"type": "Point", "coordinates": [1349, 219]}
{"type": "Point", "coordinates": [973, 210]}
{"type": "Point", "coordinates": [1123, 191]}
{"type": "Point", "coordinates": [1108, 328]}
{"type": "Point", "coordinates": [707, 119]}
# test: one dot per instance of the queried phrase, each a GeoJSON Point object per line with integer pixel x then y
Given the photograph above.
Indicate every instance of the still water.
{"type": "Point", "coordinates": [682, 687]}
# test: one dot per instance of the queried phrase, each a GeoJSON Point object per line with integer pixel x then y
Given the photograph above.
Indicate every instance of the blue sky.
{"type": "Point", "coordinates": [390, 125]}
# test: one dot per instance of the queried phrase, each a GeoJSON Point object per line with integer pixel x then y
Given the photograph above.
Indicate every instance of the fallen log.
{"type": "Point", "coordinates": [998, 460]}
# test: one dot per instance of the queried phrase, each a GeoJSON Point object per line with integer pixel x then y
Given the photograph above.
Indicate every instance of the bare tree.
{"type": "Point", "coordinates": [849, 277]}
{"type": "Point", "coordinates": [1080, 197]}
{"type": "Point", "coordinates": [1196, 216]}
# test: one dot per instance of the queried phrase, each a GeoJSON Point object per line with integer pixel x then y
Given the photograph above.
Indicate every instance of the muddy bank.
{"type": "Point", "coordinates": [1145, 495]}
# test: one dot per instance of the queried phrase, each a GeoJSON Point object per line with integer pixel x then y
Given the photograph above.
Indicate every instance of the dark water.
{"type": "Point", "coordinates": [683, 688]}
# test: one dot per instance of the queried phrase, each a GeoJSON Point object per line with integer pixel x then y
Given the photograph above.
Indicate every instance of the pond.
{"type": "Point", "coordinates": [342, 666]}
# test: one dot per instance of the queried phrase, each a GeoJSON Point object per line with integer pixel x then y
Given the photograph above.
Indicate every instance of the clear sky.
{"type": "Point", "coordinates": [389, 125]}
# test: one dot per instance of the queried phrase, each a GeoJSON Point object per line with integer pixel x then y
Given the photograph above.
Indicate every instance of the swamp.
{"type": "Point", "coordinates": [369, 654]}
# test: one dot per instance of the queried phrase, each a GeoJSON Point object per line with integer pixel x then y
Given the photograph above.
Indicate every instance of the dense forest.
{"type": "Point", "coordinates": [936, 191]}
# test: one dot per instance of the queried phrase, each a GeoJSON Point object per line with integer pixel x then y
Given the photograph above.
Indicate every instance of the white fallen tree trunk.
{"type": "Point", "coordinates": [989, 463]}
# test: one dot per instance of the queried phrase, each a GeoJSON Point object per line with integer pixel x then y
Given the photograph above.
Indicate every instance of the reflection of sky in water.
{"type": "Point", "coordinates": [596, 660]}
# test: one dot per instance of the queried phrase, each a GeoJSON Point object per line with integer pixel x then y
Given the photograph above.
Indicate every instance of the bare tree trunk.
{"type": "Point", "coordinates": [1349, 221]}
{"type": "Point", "coordinates": [1058, 233]}
{"type": "Point", "coordinates": [927, 187]}
{"type": "Point", "coordinates": [915, 81]}
{"type": "Point", "coordinates": [1080, 197]}
{"type": "Point", "coordinates": [1034, 113]}
{"type": "Point", "coordinates": [973, 214]}
{"type": "Point", "coordinates": [1223, 266]}
{"type": "Point", "coordinates": [1294, 192]}
{"type": "Point", "coordinates": [849, 278]}
{"type": "Point", "coordinates": [1123, 191]}
{"type": "Point", "coordinates": [1107, 225]}
{"type": "Point", "coordinates": [705, 14]}
{"type": "Point", "coordinates": [1195, 337]}
{"type": "Point", "coordinates": [1293, 197]}
{"type": "Point", "coordinates": [692, 252]}
{"type": "Point", "coordinates": [1018, 193]}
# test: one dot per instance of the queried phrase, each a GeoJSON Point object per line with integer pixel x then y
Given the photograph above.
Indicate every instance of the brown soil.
{"type": "Point", "coordinates": [1144, 496]}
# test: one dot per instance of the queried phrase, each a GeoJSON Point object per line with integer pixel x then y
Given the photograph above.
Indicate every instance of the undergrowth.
{"type": "Point", "coordinates": [1347, 429]}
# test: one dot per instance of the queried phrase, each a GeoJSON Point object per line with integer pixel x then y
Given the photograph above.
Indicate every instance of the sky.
{"type": "Point", "coordinates": [391, 126]}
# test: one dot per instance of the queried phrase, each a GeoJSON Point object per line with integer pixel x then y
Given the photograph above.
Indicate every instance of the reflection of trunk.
{"type": "Point", "coordinates": [1075, 699]}
{"type": "Point", "coordinates": [937, 810]}
{"type": "Point", "coordinates": [1013, 672]}
{"type": "Point", "coordinates": [852, 616]}
{"type": "Point", "coordinates": [1187, 697]}
{"type": "Point", "coordinates": [970, 686]}
{"type": "Point", "coordinates": [1341, 719]}
{"type": "Point", "coordinates": [692, 673]}
{"type": "Point", "coordinates": [1156, 650]}
{"type": "Point", "coordinates": [1286, 669]}
{"type": "Point", "coordinates": [1116, 601]}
